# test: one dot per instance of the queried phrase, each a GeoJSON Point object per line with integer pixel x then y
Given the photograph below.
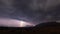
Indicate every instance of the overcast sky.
{"type": "Point", "coordinates": [32, 11]}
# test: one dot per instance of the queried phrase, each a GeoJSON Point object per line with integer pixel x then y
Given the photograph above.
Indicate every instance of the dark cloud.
{"type": "Point", "coordinates": [35, 11]}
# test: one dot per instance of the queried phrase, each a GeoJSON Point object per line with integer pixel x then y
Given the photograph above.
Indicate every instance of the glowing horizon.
{"type": "Point", "coordinates": [14, 23]}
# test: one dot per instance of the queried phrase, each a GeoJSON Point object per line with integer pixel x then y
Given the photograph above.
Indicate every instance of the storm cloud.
{"type": "Point", "coordinates": [32, 11]}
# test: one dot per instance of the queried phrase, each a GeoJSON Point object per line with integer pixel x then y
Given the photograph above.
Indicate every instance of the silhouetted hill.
{"type": "Point", "coordinates": [44, 28]}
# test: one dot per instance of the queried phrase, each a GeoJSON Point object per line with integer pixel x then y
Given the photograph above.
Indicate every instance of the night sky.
{"type": "Point", "coordinates": [31, 11]}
